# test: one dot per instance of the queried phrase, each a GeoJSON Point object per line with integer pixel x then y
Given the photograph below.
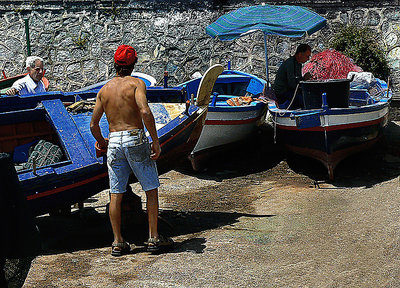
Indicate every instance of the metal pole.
{"type": "Point", "coordinates": [28, 41]}
{"type": "Point", "coordinates": [266, 58]}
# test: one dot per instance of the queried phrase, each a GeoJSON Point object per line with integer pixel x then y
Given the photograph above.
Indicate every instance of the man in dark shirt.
{"type": "Point", "coordinates": [288, 76]}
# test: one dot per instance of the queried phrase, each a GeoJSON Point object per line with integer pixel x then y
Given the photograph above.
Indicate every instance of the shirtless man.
{"type": "Point", "coordinates": [123, 100]}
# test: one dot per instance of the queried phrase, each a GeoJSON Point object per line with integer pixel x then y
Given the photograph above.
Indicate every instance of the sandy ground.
{"type": "Point", "coordinates": [256, 217]}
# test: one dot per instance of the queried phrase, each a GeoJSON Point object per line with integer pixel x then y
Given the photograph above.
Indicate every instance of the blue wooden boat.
{"type": "Point", "coordinates": [7, 82]}
{"type": "Point", "coordinates": [150, 81]}
{"type": "Point", "coordinates": [335, 122]}
{"type": "Point", "coordinates": [226, 124]}
{"type": "Point", "coordinates": [56, 126]}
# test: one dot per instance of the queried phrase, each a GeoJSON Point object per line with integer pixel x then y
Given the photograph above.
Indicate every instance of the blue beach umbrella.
{"type": "Point", "coordinates": [289, 21]}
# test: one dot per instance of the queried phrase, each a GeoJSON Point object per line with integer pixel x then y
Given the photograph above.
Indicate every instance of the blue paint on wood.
{"type": "Point", "coordinates": [161, 115]}
{"type": "Point", "coordinates": [69, 134]}
{"type": "Point", "coordinates": [308, 120]}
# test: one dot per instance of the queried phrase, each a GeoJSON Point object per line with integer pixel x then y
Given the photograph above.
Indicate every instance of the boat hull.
{"type": "Point", "coordinates": [63, 189]}
{"type": "Point", "coordinates": [66, 191]}
{"type": "Point", "coordinates": [224, 127]}
{"type": "Point", "coordinates": [225, 124]}
{"type": "Point", "coordinates": [342, 132]}
{"type": "Point", "coordinates": [81, 173]}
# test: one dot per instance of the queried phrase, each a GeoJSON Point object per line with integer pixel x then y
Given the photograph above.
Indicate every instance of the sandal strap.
{"type": "Point", "coordinates": [160, 239]}
{"type": "Point", "coordinates": [120, 244]}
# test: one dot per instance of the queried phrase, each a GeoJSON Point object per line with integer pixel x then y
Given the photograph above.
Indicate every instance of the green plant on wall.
{"type": "Point", "coordinates": [33, 4]}
{"type": "Point", "coordinates": [80, 41]}
{"type": "Point", "coordinates": [361, 45]}
{"type": "Point", "coordinates": [18, 9]}
{"type": "Point", "coordinates": [113, 10]}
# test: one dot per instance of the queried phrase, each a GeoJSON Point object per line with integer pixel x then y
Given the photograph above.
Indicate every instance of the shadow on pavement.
{"type": "Point", "coordinates": [260, 154]}
{"type": "Point", "coordinates": [89, 229]}
{"type": "Point", "coordinates": [365, 169]}
{"type": "Point", "coordinates": [255, 154]}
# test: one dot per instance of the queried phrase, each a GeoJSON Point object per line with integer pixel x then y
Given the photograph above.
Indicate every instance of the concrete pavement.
{"type": "Point", "coordinates": [263, 224]}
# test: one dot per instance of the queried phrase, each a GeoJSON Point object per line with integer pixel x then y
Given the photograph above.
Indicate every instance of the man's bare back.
{"type": "Point", "coordinates": [121, 98]}
{"type": "Point", "coordinates": [124, 101]}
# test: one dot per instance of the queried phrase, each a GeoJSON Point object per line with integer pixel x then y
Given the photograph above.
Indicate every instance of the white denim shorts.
{"type": "Point", "coordinates": [129, 151]}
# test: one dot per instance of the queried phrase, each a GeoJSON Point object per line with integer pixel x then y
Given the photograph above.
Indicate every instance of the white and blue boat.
{"type": "Point", "coordinates": [150, 81]}
{"type": "Point", "coordinates": [335, 122]}
{"type": "Point", "coordinates": [226, 124]}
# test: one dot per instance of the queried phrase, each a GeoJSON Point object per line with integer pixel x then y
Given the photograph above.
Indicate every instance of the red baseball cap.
{"type": "Point", "coordinates": [125, 55]}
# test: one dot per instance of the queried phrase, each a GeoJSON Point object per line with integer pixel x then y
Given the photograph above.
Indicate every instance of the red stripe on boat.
{"type": "Point", "coordinates": [179, 132]}
{"type": "Point", "coordinates": [334, 127]}
{"type": "Point", "coordinates": [63, 188]}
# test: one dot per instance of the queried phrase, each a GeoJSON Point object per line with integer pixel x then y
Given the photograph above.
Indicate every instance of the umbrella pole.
{"type": "Point", "coordinates": [266, 58]}
{"type": "Point", "coordinates": [28, 41]}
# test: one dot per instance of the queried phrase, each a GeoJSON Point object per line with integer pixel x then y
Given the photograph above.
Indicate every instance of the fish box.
{"type": "Point", "coordinates": [337, 93]}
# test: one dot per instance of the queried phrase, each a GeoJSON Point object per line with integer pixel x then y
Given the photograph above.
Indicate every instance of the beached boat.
{"type": "Point", "coordinates": [335, 122]}
{"type": "Point", "coordinates": [49, 138]}
{"type": "Point", "coordinates": [150, 81]}
{"type": "Point", "coordinates": [226, 124]}
{"type": "Point", "coordinates": [6, 82]}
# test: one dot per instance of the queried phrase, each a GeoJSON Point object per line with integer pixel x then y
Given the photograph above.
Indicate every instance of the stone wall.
{"type": "Point", "coordinates": [77, 38]}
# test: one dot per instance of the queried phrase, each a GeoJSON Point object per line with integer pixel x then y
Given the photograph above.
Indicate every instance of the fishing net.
{"type": "Point", "coordinates": [330, 64]}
